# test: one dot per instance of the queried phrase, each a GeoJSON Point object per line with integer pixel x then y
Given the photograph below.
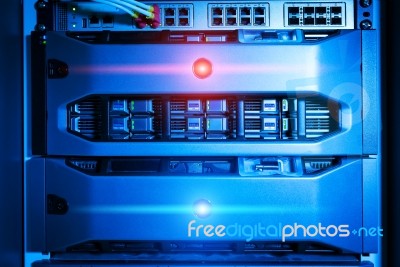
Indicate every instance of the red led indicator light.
{"type": "Point", "coordinates": [202, 68]}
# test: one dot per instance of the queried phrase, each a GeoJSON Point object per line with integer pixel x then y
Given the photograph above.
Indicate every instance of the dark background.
{"type": "Point", "coordinates": [391, 131]}
{"type": "Point", "coordinates": [11, 133]}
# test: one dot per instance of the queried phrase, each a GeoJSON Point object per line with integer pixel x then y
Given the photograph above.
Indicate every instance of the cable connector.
{"type": "Point", "coordinates": [140, 20]}
{"type": "Point", "coordinates": [154, 21]}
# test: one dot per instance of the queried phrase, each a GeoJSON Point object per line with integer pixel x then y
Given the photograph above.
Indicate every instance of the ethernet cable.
{"type": "Point", "coordinates": [125, 5]}
{"type": "Point", "coordinates": [142, 14]}
{"type": "Point", "coordinates": [139, 4]}
{"type": "Point", "coordinates": [140, 10]}
{"type": "Point", "coordinates": [107, 2]}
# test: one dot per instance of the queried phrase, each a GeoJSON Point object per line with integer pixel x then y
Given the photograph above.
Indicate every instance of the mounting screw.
{"type": "Point", "coordinates": [41, 27]}
{"type": "Point", "coordinates": [365, 3]}
{"type": "Point", "coordinates": [56, 205]}
{"type": "Point", "coordinates": [41, 5]}
{"type": "Point", "coordinates": [365, 24]}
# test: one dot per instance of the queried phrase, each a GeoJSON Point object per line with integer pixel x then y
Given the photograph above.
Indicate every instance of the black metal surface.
{"type": "Point", "coordinates": [11, 135]}
{"type": "Point", "coordinates": [38, 85]}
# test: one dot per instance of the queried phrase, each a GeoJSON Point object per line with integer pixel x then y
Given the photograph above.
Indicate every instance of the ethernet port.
{"type": "Point", "coordinates": [259, 21]}
{"type": "Point", "coordinates": [183, 12]}
{"type": "Point", "coordinates": [169, 22]}
{"type": "Point", "coordinates": [259, 11]}
{"type": "Point", "coordinates": [231, 11]}
{"type": "Point", "coordinates": [320, 10]}
{"type": "Point", "coordinates": [294, 10]}
{"type": "Point", "coordinates": [320, 21]}
{"type": "Point", "coordinates": [336, 21]}
{"type": "Point", "coordinates": [245, 21]}
{"type": "Point", "coordinates": [245, 11]}
{"type": "Point", "coordinates": [308, 10]}
{"type": "Point", "coordinates": [308, 21]}
{"type": "Point", "coordinates": [217, 11]}
{"type": "Point", "coordinates": [294, 21]}
{"type": "Point", "coordinates": [183, 21]}
{"type": "Point", "coordinates": [169, 12]}
{"type": "Point", "coordinates": [231, 21]}
{"type": "Point", "coordinates": [217, 22]}
{"type": "Point", "coordinates": [336, 9]}
{"type": "Point", "coordinates": [94, 21]}
{"type": "Point", "coordinates": [108, 21]}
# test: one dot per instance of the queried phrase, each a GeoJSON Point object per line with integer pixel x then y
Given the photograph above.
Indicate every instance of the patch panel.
{"type": "Point", "coordinates": [315, 14]}
{"type": "Point", "coordinates": [238, 14]}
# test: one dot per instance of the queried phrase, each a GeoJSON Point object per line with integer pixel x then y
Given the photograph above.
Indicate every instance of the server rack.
{"type": "Point", "coordinates": [133, 148]}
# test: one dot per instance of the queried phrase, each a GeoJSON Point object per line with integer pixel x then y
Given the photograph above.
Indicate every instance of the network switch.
{"type": "Point", "coordinates": [206, 15]}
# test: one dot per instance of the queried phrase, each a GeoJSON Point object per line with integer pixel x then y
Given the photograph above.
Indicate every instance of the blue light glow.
{"type": "Point", "coordinates": [202, 208]}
